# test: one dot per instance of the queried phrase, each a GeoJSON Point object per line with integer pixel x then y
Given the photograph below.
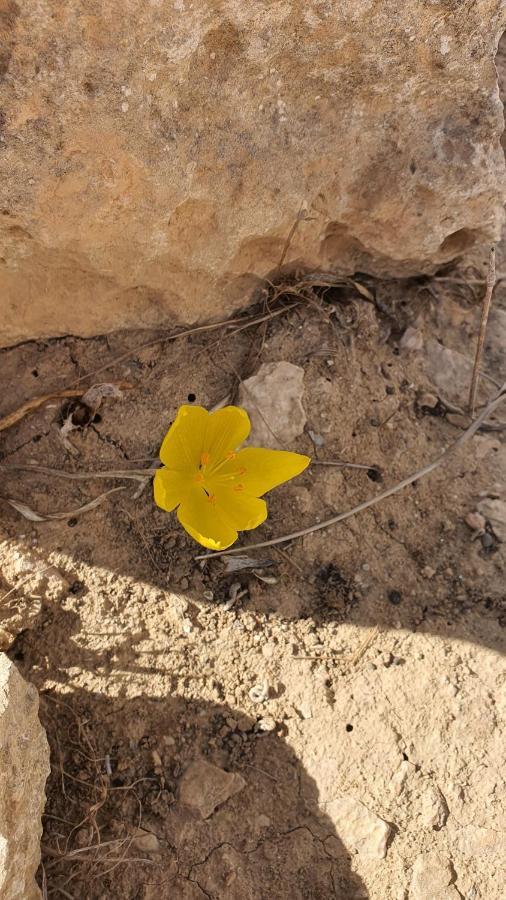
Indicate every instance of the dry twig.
{"type": "Point", "coordinates": [487, 300]}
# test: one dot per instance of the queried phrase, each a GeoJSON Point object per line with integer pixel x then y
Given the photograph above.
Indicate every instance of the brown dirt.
{"type": "Point", "coordinates": [142, 667]}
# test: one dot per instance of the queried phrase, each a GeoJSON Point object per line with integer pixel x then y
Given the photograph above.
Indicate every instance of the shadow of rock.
{"type": "Point", "coordinates": [269, 839]}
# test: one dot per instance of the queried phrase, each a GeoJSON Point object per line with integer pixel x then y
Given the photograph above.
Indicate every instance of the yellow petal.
{"type": "Point", "coordinates": [227, 428]}
{"type": "Point", "coordinates": [241, 509]}
{"type": "Point", "coordinates": [263, 469]}
{"type": "Point", "coordinates": [170, 488]}
{"type": "Point", "coordinates": [205, 522]}
{"type": "Point", "coordinates": [182, 445]}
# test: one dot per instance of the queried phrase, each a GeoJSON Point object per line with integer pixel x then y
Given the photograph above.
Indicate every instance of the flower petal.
{"type": "Point", "coordinates": [170, 488]}
{"type": "Point", "coordinates": [240, 508]}
{"type": "Point", "coordinates": [182, 445]}
{"type": "Point", "coordinates": [227, 428]}
{"type": "Point", "coordinates": [205, 522]}
{"type": "Point", "coordinates": [265, 469]}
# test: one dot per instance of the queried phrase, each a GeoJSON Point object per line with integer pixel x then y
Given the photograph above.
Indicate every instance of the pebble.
{"type": "Point", "coordinates": [475, 521]}
{"type": "Point", "coordinates": [395, 597]}
{"type": "Point", "coordinates": [359, 828]}
{"type": "Point", "coordinates": [145, 841]}
{"type": "Point", "coordinates": [205, 787]}
{"type": "Point", "coordinates": [267, 723]}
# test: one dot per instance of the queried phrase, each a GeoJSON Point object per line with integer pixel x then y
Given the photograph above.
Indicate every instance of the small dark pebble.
{"type": "Point", "coordinates": [390, 389]}
{"type": "Point", "coordinates": [487, 541]}
{"type": "Point", "coordinates": [72, 522]}
{"type": "Point", "coordinates": [395, 597]}
{"type": "Point", "coordinates": [374, 475]}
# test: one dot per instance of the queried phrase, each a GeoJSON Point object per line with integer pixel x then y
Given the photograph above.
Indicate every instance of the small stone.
{"type": "Point", "coordinates": [304, 710]}
{"type": "Point", "coordinates": [412, 340]}
{"type": "Point", "coordinates": [266, 724]}
{"type": "Point", "coordinates": [432, 878]}
{"type": "Point", "coordinates": [273, 399]}
{"type": "Point", "coordinates": [208, 595]}
{"type": "Point", "coordinates": [204, 787]}
{"type": "Point", "coordinates": [359, 828]}
{"type": "Point", "coordinates": [145, 841]}
{"type": "Point", "coordinates": [395, 597]}
{"type": "Point", "coordinates": [317, 439]}
{"type": "Point", "coordinates": [475, 521]}
{"type": "Point", "coordinates": [487, 541]}
{"type": "Point", "coordinates": [428, 572]}
{"type": "Point", "coordinates": [263, 821]}
{"type": "Point", "coordinates": [184, 583]}
{"type": "Point", "coordinates": [457, 420]}
{"type": "Point", "coordinates": [427, 401]}
{"type": "Point", "coordinates": [434, 811]}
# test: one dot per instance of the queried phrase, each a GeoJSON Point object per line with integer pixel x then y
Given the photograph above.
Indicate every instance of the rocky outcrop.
{"type": "Point", "coordinates": [24, 767]}
{"type": "Point", "coordinates": [156, 156]}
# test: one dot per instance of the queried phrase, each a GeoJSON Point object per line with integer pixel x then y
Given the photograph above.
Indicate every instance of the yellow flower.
{"type": "Point", "coordinates": [216, 487]}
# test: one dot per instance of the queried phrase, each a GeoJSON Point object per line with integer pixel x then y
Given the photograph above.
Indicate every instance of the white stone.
{"type": "Point", "coordinates": [273, 399]}
{"type": "Point", "coordinates": [359, 828]}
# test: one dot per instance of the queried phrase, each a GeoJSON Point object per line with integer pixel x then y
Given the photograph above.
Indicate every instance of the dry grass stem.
{"type": "Point", "coordinates": [487, 300]}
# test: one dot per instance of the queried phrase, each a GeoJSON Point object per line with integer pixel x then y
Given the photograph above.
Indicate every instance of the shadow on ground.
{"type": "Point", "coordinates": [268, 840]}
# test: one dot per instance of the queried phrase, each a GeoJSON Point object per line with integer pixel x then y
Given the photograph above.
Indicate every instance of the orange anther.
{"type": "Point", "coordinates": [199, 478]}
{"type": "Point", "coordinates": [231, 454]}
{"type": "Point", "coordinates": [238, 488]}
{"type": "Point", "coordinates": [204, 459]}
{"type": "Point", "coordinates": [211, 498]}
{"type": "Point", "coordinates": [241, 471]}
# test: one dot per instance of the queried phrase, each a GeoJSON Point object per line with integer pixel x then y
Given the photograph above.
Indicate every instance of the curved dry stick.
{"type": "Point", "coordinates": [468, 433]}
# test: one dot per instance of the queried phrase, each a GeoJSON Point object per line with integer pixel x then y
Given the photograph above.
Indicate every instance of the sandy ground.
{"type": "Point", "coordinates": [355, 683]}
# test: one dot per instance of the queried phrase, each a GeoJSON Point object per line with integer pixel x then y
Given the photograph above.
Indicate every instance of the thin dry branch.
{"type": "Point", "coordinates": [465, 436]}
{"type": "Point", "coordinates": [37, 402]}
{"type": "Point", "coordinates": [487, 300]}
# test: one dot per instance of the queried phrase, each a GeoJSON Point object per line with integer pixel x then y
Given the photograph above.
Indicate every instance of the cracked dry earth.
{"type": "Point", "coordinates": [328, 725]}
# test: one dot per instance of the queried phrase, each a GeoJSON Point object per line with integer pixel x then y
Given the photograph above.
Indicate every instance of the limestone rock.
{"type": "Point", "coordinates": [24, 767]}
{"type": "Point", "coordinates": [204, 787]}
{"type": "Point", "coordinates": [273, 399]}
{"type": "Point", "coordinates": [434, 810]}
{"type": "Point", "coordinates": [359, 828]}
{"type": "Point", "coordinates": [432, 878]}
{"type": "Point", "coordinates": [155, 156]}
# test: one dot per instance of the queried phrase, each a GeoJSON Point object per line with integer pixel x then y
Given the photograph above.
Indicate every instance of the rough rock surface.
{"type": "Point", "coordinates": [273, 399]}
{"type": "Point", "coordinates": [156, 156]}
{"type": "Point", "coordinates": [24, 767]}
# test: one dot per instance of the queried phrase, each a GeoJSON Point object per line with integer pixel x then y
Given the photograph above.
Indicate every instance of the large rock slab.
{"type": "Point", "coordinates": [24, 767]}
{"type": "Point", "coordinates": [155, 156]}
